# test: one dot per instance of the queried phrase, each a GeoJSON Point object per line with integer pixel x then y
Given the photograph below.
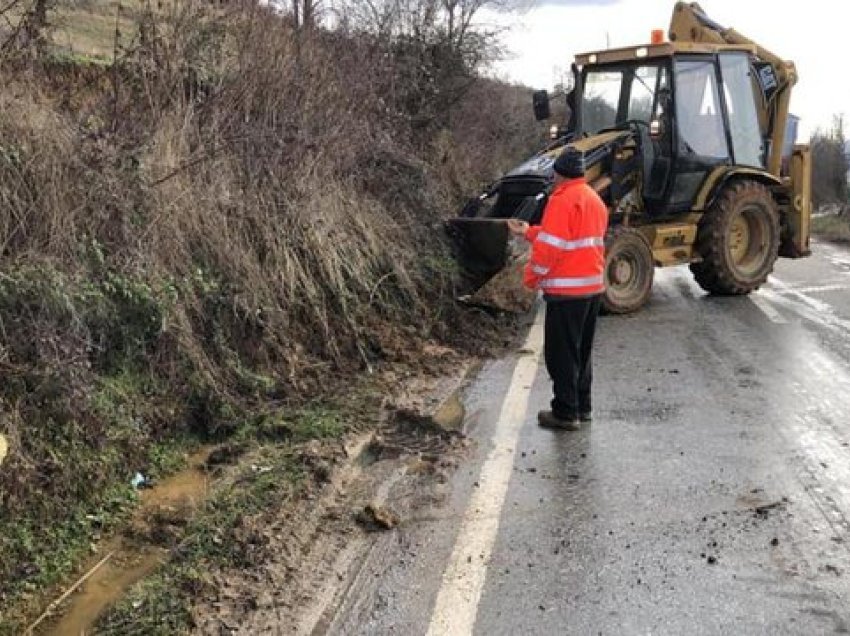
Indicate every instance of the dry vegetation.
{"type": "Point", "coordinates": [833, 226]}
{"type": "Point", "coordinates": [231, 218]}
{"type": "Point", "coordinates": [830, 197]}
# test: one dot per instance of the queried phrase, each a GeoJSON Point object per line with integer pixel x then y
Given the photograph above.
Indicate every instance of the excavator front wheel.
{"type": "Point", "coordinates": [629, 270]}
{"type": "Point", "coordinates": [738, 239]}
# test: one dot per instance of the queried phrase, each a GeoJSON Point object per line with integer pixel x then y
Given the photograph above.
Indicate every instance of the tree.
{"type": "Point", "coordinates": [830, 165]}
{"type": "Point", "coordinates": [305, 13]}
{"type": "Point", "coordinates": [434, 48]}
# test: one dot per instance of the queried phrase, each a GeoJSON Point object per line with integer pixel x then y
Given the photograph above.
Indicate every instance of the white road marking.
{"type": "Point", "coordinates": [463, 579]}
{"type": "Point", "coordinates": [814, 303]}
{"type": "Point", "coordinates": [768, 309]}
{"type": "Point", "coordinates": [838, 257]}
{"type": "Point", "coordinates": [812, 309]}
{"type": "Point", "coordinates": [817, 289]}
{"type": "Point", "coordinates": [823, 399]}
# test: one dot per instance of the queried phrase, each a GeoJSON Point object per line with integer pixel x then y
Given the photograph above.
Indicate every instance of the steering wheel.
{"type": "Point", "coordinates": [627, 124]}
{"type": "Point", "coordinates": [637, 123]}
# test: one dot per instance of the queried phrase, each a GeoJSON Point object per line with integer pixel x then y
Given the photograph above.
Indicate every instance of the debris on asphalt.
{"type": "Point", "coordinates": [377, 517]}
{"type": "Point", "coordinates": [832, 569]}
{"type": "Point", "coordinates": [764, 509]}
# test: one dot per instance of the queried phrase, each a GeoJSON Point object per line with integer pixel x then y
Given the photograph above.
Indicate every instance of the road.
{"type": "Point", "coordinates": [711, 494]}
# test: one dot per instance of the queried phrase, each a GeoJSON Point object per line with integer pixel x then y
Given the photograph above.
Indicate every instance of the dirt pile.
{"type": "Point", "coordinates": [505, 291]}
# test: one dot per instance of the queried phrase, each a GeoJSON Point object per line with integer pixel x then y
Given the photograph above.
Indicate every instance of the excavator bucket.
{"type": "Point", "coordinates": [492, 263]}
{"type": "Point", "coordinates": [481, 245]}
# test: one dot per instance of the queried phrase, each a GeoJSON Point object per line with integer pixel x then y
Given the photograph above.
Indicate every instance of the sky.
{"type": "Point", "coordinates": [542, 41]}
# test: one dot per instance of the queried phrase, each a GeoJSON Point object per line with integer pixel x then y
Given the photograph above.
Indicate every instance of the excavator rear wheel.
{"type": "Point", "coordinates": [738, 240]}
{"type": "Point", "coordinates": [629, 270]}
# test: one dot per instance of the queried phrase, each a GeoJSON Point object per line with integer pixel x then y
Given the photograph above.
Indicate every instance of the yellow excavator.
{"type": "Point", "coordinates": [689, 141]}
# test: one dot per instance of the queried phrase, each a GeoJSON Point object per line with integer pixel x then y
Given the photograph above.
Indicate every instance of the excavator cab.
{"type": "Point", "coordinates": [690, 114]}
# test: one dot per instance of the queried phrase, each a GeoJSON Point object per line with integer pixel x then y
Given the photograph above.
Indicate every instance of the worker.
{"type": "Point", "coordinates": [566, 264]}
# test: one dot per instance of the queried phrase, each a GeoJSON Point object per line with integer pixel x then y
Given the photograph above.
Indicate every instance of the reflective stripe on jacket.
{"type": "Point", "coordinates": [568, 249]}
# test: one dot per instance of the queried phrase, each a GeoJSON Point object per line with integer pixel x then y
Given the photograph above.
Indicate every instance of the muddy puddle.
{"type": "Point", "coordinates": [121, 562]}
{"type": "Point", "coordinates": [450, 414]}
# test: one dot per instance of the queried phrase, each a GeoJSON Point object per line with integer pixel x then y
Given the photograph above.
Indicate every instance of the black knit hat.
{"type": "Point", "coordinates": [570, 163]}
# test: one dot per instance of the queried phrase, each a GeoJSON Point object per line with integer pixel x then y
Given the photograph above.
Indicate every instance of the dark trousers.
{"type": "Point", "coordinates": [570, 327]}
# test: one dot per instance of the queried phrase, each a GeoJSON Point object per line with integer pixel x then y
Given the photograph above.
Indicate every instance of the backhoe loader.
{"type": "Point", "coordinates": [690, 143]}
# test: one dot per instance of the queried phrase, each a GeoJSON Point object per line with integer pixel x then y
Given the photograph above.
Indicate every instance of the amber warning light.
{"type": "Point", "coordinates": [657, 36]}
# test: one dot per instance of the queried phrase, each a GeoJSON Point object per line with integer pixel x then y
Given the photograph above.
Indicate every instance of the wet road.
{"type": "Point", "coordinates": [711, 495]}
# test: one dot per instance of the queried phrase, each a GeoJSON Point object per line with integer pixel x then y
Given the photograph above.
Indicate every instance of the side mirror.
{"type": "Point", "coordinates": [540, 101]}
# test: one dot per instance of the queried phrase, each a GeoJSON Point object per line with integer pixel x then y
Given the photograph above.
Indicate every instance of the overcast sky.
{"type": "Point", "coordinates": [812, 33]}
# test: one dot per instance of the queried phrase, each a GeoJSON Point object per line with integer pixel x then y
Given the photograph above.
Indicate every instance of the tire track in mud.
{"type": "Point", "coordinates": [319, 547]}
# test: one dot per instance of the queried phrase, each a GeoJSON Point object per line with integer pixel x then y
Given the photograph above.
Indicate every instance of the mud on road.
{"type": "Point", "coordinates": [315, 547]}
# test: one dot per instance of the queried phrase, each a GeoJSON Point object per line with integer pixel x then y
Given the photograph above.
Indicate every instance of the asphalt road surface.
{"type": "Point", "coordinates": [711, 494]}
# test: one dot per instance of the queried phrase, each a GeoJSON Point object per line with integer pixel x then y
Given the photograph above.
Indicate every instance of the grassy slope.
{"type": "Point", "coordinates": [92, 32]}
{"type": "Point", "coordinates": [91, 29]}
{"type": "Point", "coordinates": [118, 357]}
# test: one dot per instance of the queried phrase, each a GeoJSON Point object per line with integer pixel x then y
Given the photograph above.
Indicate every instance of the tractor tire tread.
{"type": "Point", "coordinates": [713, 272]}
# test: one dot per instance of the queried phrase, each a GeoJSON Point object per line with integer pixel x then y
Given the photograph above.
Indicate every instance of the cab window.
{"type": "Point", "coordinates": [601, 100]}
{"type": "Point", "coordinates": [642, 93]}
{"type": "Point", "coordinates": [614, 95]}
{"type": "Point", "coordinates": [698, 111]}
{"type": "Point", "coordinates": [747, 143]}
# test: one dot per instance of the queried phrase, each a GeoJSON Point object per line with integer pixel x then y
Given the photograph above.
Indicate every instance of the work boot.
{"type": "Point", "coordinates": [547, 419]}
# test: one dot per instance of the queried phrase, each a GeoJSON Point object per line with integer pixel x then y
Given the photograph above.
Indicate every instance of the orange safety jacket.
{"type": "Point", "coordinates": [568, 249]}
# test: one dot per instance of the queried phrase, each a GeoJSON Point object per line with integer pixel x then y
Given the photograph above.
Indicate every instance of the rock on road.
{"type": "Point", "coordinates": [711, 494]}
